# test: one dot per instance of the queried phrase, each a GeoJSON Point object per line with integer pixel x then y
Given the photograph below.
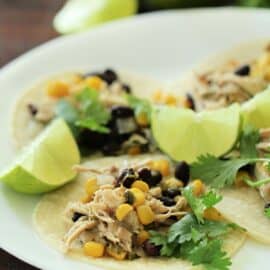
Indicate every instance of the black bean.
{"type": "Point", "coordinates": [126, 88]}
{"type": "Point", "coordinates": [167, 201]}
{"type": "Point", "coordinates": [150, 249]}
{"type": "Point", "coordinates": [144, 174]}
{"type": "Point", "coordinates": [267, 205]}
{"type": "Point", "coordinates": [122, 112]}
{"type": "Point", "coordinates": [171, 192]}
{"type": "Point", "coordinates": [155, 179]}
{"type": "Point", "coordinates": [129, 197]}
{"type": "Point", "coordinates": [242, 71]}
{"type": "Point", "coordinates": [191, 102]}
{"type": "Point", "coordinates": [32, 109]}
{"type": "Point", "coordinates": [76, 216]}
{"type": "Point", "coordinates": [110, 149]}
{"type": "Point", "coordinates": [182, 172]}
{"type": "Point", "coordinates": [109, 76]}
{"type": "Point", "coordinates": [127, 177]}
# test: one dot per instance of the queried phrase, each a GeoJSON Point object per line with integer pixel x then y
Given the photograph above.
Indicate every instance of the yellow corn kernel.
{"type": "Point", "coordinates": [142, 237]}
{"type": "Point", "coordinates": [134, 150]}
{"type": "Point", "coordinates": [139, 197]}
{"type": "Point", "coordinates": [94, 249]}
{"type": "Point", "coordinates": [170, 100]}
{"type": "Point", "coordinates": [172, 183]}
{"type": "Point", "coordinates": [57, 89]}
{"type": "Point", "coordinates": [94, 82]}
{"type": "Point", "coordinates": [145, 214]}
{"type": "Point", "coordinates": [123, 210]}
{"type": "Point", "coordinates": [212, 214]}
{"type": "Point", "coordinates": [91, 186]}
{"type": "Point", "coordinates": [86, 199]}
{"type": "Point", "coordinates": [142, 119]}
{"type": "Point", "coordinates": [198, 187]}
{"type": "Point", "coordinates": [240, 177]}
{"type": "Point", "coordinates": [161, 165]}
{"type": "Point", "coordinates": [141, 185]}
{"type": "Point", "coordinates": [116, 254]}
{"type": "Point", "coordinates": [157, 96]}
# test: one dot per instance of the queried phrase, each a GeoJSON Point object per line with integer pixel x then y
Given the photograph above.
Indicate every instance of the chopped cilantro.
{"type": "Point", "coordinates": [267, 212]}
{"type": "Point", "coordinates": [248, 140]}
{"type": "Point", "coordinates": [199, 204]}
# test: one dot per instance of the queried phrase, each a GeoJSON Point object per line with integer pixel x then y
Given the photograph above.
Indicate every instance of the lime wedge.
{"type": "Point", "coordinates": [256, 111]}
{"type": "Point", "coordinates": [185, 135]}
{"type": "Point", "coordinates": [47, 163]}
{"type": "Point", "coordinates": [78, 15]}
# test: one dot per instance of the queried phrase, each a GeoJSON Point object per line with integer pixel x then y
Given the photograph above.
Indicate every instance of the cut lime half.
{"type": "Point", "coordinates": [185, 135]}
{"type": "Point", "coordinates": [256, 111]}
{"type": "Point", "coordinates": [47, 163]}
{"type": "Point", "coordinates": [79, 15]}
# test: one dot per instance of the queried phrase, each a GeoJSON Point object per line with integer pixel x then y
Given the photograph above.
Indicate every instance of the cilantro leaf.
{"type": "Point", "coordinates": [199, 204]}
{"type": "Point", "coordinates": [210, 255]}
{"type": "Point", "coordinates": [267, 212]}
{"type": "Point", "coordinates": [248, 140]}
{"type": "Point", "coordinates": [93, 125]}
{"type": "Point", "coordinates": [218, 173]}
{"type": "Point", "coordinates": [140, 105]}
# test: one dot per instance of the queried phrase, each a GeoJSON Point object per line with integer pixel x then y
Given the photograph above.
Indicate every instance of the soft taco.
{"type": "Point", "coordinates": [128, 212]}
{"type": "Point", "coordinates": [235, 75]}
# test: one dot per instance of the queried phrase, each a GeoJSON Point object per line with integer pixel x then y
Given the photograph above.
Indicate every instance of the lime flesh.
{"type": "Point", "coordinates": [185, 135]}
{"type": "Point", "coordinates": [79, 15]}
{"type": "Point", "coordinates": [47, 163]}
{"type": "Point", "coordinates": [256, 111]}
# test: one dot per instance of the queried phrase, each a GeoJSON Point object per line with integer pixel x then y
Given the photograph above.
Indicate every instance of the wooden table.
{"type": "Point", "coordinates": [23, 25]}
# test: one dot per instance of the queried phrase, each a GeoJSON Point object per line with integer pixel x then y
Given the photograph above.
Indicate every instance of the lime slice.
{"type": "Point", "coordinates": [47, 163]}
{"type": "Point", "coordinates": [185, 135]}
{"type": "Point", "coordinates": [78, 15]}
{"type": "Point", "coordinates": [256, 111]}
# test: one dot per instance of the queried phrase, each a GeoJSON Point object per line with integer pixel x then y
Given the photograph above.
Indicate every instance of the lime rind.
{"type": "Point", "coordinates": [185, 135]}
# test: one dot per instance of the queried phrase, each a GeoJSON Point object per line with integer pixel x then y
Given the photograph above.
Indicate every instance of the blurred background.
{"type": "Point", "coordinates": [27, 23]}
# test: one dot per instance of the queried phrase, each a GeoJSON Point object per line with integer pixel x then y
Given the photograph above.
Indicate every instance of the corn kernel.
{"type": "Point", "coordinates": [142, 237]}
{"type": "Point", "coordinates": [172, 183]}
{"type": "Point", "coordinates": [94, 82]}
{"type": "Point", "coordinates": [212, 214]}
{"type": "Point", "coordinates": [240, 177]}
{"type": "Point", "coordinates": [91, 186]}
{"type": "Point", "coordinates": [94, 249]}
{"type": "Point", "coordinates": [142, 119]}
{"type": "Point", "coordinates": [141, 185]}
{"type": "Point", "coordinates": [198, 187]}
{"type": "Point", "coordinates": [157, 96]}
{"type": "Point", "coordinates": [170, 100]}
{"type": "Point", "coordinates": [134, 150]}
{"type": "Point", "coordinates": [123, 210]}
{"type": "Point", "coordinates": [161, 165]}
{"type": "Point", "coordinates": [57, 89]}
{"type": "Point", "coordinates": [86, 199]}
{"type": "Point", "coordinates": [145, 214]}
{"type": "Point", "coordinates": [139, 197]}
{"type": "Point", "coordinates": [116, 254]}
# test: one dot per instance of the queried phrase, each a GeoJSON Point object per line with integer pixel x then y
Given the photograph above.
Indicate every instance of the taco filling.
{"type": "Point", "coordinates": [232, 82]}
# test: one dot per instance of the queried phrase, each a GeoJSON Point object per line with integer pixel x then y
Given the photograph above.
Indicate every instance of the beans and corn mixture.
{"type": "Point", "coordinates": [115, 219]}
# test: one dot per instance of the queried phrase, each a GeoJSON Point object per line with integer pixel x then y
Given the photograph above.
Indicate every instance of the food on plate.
{"type": "Point", "coordinates": [233, 76]}
{"type": "Point", "coordinates": [47, 163]}
{"type": "Point", "coordinates": [132, 212]}
{"type": "Point", "coordinates": [184, 134]}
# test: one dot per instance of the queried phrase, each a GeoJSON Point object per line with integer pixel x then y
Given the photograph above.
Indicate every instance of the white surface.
{"type": "Point", "coordinates": [162, 45]}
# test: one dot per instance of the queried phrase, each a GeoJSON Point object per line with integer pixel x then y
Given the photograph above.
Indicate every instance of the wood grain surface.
{"type": "Point", "coordinates": [23, 25]}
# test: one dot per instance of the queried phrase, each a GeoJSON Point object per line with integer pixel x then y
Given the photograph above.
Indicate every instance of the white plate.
{"type": "Point", "coordinates": [159, 44]}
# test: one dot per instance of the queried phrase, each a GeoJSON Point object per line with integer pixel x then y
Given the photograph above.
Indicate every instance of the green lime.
{"type": "Point", "coordinates": [185, 135]}
{"type": "Point", "coordinates": [47, 163]}
{"type": "Point", "coordinates": [79, 15]}
{"type": "Point", "coordinates": [256, 111]}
